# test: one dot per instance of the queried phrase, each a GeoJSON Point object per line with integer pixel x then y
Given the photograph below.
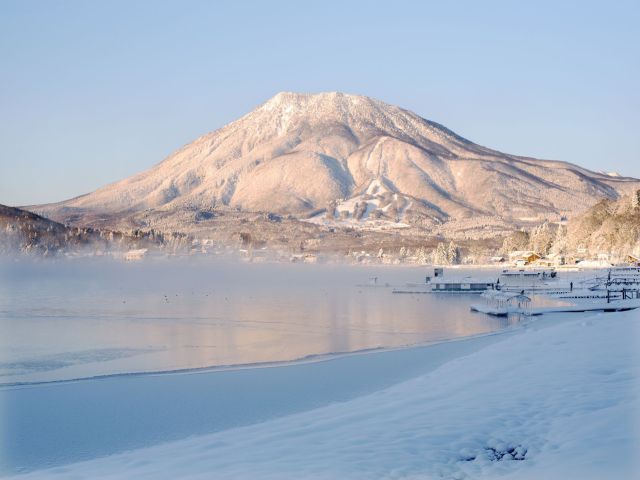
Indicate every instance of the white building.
{"type": "Point", "coordinates": [135, 255]}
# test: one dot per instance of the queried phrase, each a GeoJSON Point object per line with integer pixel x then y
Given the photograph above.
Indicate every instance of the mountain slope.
{"type": "Point", "coordinates": [23, 232]}
{"type": "Point", "coordinates": [607, 227]}
{"type": "Point", "coordinates": [300, 154]}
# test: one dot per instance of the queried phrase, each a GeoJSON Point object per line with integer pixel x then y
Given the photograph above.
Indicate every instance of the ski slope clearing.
{"type": "Point", "coordinates": [556, 402]}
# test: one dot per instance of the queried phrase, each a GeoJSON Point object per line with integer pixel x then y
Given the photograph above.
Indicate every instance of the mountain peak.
{"type": "Point", "coordinates": [295, 97]}
{"type": "Point", "coordinates": [326, 102]}
{"type": "Point", "coordinates": [301, 152]}
{"type": "Point", "coordinates": [323, 101]}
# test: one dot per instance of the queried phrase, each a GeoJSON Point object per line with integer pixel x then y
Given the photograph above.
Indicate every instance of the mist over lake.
{"type": "Point", "coordinates": [68, 320]}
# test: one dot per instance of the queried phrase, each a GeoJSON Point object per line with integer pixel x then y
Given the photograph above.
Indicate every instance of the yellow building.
{"type": "Point", "coordinates": [523, 257]}
{"type": "Point", "coordinates": [632, 260]}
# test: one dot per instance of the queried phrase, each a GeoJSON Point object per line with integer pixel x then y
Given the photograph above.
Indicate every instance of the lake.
{"type": "Point", "coordinates": [106, 323]}
{"type": "Point", "coordinates": [64, 320]}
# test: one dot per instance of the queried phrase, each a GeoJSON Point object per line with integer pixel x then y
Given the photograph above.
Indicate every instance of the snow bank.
{"type": "Point", "coordinates": [558, 402]}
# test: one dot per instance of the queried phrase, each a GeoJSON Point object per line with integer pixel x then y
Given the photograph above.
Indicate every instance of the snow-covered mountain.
{"type": "Point", "coordinates": [360, 159]}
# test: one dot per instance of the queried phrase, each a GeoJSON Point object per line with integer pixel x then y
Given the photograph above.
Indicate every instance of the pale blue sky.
{"type": "Point", "coordinates": [92, 92]}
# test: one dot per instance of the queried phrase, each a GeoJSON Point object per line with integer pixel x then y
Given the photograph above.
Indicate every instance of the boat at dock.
{"type": "Point", "coordinates": [538, 291]}
{"type": "Point", "coordinates": [439, 284]}
{"type": "Point", "coordinates": [532, 281]}
{"type": "Point", "coordinates": [521, 280]}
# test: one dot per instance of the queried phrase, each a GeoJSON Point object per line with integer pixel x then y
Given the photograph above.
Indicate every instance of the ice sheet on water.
{"type": "Point", "coordinates": [61, 360]}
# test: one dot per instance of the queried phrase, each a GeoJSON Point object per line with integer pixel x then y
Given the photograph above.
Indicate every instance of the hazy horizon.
{"type": "Point", "coordinates": [95, 93]}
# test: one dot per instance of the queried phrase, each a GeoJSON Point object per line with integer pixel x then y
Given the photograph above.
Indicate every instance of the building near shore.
{"type": "Point", "coordinates": [632, 260]}
{"type": "Point", "coordinates": [524, 257]}
{"type": "Point", "coordinates": [135, 255]}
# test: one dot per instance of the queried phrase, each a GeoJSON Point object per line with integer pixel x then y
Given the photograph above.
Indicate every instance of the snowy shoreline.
{"type": "Point", "coordinates": [562, 399]}
{"type": "Point", "coordinates": [316, 383]}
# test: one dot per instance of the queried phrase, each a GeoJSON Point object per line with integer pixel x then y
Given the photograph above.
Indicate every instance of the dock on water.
{"type": "Point", "coordinates": [504, 310]}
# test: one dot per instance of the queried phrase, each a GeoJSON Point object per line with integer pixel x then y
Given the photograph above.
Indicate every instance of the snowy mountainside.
{"type": "Point", "coordinates": [302, 154]}
{"type": "Point", "coordinates": [378, 208]}
{"type": "Point", "coordinates": [609, 226]}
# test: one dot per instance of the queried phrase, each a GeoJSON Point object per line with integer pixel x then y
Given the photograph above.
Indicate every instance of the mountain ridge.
{"type": "Point", "coordinates": [301, 154]}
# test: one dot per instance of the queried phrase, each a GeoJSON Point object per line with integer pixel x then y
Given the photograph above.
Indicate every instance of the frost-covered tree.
{"type": "Point", "coordinates": [541, 239]}
{"type": "Point", "coordinates": [560, 244]}
{"type": "Point", "coordinates": [422, 257]}
{"type": "Point", "coordinates": [453, 254]}
{"type": "Point", "coordinates": [515, 241]}
{"type": "Point", "coordinates": [439, 255]}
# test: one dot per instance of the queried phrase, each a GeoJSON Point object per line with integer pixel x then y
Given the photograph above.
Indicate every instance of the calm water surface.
{"type": "Point", "coordinates": [72, 320]}
{"type": "Point", "coordinates": [67, 320]}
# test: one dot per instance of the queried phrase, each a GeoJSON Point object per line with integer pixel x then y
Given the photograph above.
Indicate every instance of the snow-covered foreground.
{"type": "Point", "coordinates": [545, 403]}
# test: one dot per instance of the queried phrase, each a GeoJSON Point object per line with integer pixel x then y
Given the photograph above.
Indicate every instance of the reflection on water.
{"type": "Point", "coordinates": [71, 320]}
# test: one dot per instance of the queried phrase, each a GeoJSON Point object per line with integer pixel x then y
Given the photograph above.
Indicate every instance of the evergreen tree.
{"type": "Point", "coordinates": [422, 256]}
{"type": "Point", "coordinates": [440, 255]}
{"type": "Point", "coordinates": [515, 241]}
{"type": "Point", "coordinates": [453, 254]}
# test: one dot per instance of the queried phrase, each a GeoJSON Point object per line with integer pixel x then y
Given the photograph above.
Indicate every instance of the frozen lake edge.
{"type": "Point", "coordinates": [561, 395]}
{"type": "Point", "coordinates": [128, 411]}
